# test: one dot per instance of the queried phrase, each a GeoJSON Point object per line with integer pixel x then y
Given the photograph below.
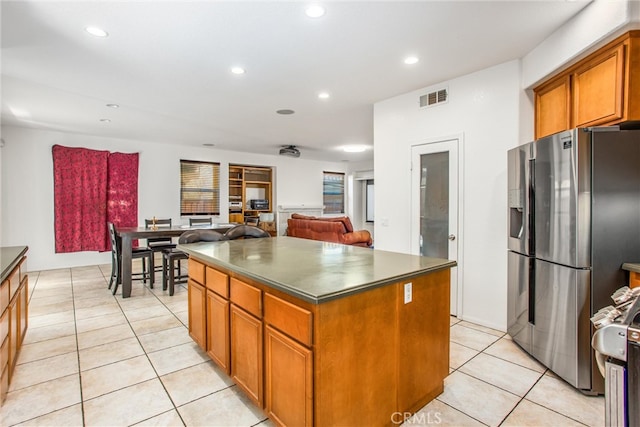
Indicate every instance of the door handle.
{"type": "Point", "coordinates": [452, 237]}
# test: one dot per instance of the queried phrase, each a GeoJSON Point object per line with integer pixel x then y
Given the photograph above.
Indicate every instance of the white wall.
{"type": "Point", "coordinates": [27, 186]}
{"type": "Point", "coordinates": [484, 108]}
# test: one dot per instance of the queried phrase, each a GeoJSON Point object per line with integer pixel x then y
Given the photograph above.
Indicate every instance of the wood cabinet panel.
{"type": "Point", "coordinates": [246, 353]}
{"type": "Point", "coordinates": [24, 309]}
{"type": "Point", "coordinates": [14, 333]}
{"type": "Point", "coordinates": [4, 353]}
{"type": "Point", "coordinates": [288, 380]}
{"type": "Point", "coordinates": [196, 271]}
{"type": "Point", "coordinates": [552, 107]}
{"type": "Point", "coordinates": [4, 384]}
{"type": "Point", "coordinates": [197, 312]}
{"type": "Point", "coordinates": [288, 318]}
{"type": "Point", "coordinates": [246, 296]}
{"type": "Point", "coordinates": [598, 89]}
{"type": "Point", "coordinates": [218, 330]}
{"type": "Point", "coordinates": [4, 295]}
{"type": "Point", "coordinates": [218, 282]}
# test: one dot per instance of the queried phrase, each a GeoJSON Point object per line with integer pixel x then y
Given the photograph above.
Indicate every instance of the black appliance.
{"type": "Point", "coordinates": [259, 204]}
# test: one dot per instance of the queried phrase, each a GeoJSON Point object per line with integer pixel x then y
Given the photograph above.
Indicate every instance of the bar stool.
{"type": "Point", "coordinates": [144, 253]}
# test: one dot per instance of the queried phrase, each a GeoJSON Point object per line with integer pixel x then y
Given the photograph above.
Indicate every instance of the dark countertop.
{"type": "Point", "coordinates": [312, 270]}
{"type": "Point", "coordinates": [631, 266]}
{"type": "Point", "coordinates": [9, 258]}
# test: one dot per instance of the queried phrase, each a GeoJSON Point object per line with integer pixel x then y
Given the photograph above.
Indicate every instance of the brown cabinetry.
{"type": "Point", "coordinates": [598, 90]}
{"type": "Point", "coordinates": [197, 312]}
{"type": "Point", "coordinates": [14, 311]}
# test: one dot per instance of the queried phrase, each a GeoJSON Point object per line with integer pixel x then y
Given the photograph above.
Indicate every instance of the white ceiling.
{"type": "Point", "coordinates": [166, 63]}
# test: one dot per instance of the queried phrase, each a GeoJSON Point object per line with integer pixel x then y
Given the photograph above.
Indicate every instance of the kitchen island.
{"type": "Point", "coordinates": [320, 333]}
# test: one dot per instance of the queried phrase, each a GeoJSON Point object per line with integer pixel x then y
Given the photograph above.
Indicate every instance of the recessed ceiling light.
{"type": "Point", "coordinates": [410, 60]}
{"type": "Point", "coordinates": [285, 111]}
{"type": "Point", "coordinates": [95, 31]}
{"type": "Point", "coordinates": [354, 148]}
{"type": "Point", "coordinates": [323, 95]}
{"type": "Point", "coordinates": [105, 120]}
{"type": "Point", "coordinates": [314, 11]}
{"type": "Point", "coordinates": [238, 70]}
{"type": "Point", "coordinates": [113, 105]}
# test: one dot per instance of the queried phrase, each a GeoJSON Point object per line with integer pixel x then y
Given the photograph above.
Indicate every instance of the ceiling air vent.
{"type": "Point", "coordinates": [439, 96]}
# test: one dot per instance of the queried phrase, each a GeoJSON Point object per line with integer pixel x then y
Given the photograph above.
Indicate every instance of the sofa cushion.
{"type": "Point", "coordinates": [300, 216]}
{"type": "Point", "coordinates": [343, 219]}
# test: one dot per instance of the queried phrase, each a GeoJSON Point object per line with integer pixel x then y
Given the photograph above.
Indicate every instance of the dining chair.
{"type": "Point", "coordinates": [159, 244]}
{"type": "Point", "coordinates": [200, 221]}
{"type": "Point", "coordinates": [144, 253]}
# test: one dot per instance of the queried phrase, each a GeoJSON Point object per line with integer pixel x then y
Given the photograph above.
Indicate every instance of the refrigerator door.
{"type": "Point", "coordinates": [520, 298]}
{"type": "Point", "coordinates": [562, 332]}
{"type": "Point", "coordinates": [562, 185]}
{"type": "Point", "coordinates": [519, 196]}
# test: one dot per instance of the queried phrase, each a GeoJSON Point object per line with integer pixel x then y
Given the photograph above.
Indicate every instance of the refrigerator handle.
{"type": "Point", "coordinates": [532, 291]}
{"type": "Point", "coordinates": [531, 196]}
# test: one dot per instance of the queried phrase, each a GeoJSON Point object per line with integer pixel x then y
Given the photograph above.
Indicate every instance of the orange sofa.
{"type": "Point", "coordinates": [327, 229]}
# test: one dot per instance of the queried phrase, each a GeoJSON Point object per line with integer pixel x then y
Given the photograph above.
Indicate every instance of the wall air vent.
{"type": "Point", "coordinates": [437, 97]}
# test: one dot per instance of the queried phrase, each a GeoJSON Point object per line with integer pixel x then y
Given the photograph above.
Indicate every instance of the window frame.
{"type": "Point", "coordinates": [214, 189]}
{"type": "Point", "coordinates": [369, 207]}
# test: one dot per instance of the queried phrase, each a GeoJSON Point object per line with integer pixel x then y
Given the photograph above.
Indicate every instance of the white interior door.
{"type": "Point", "coordinates": [434, 200]}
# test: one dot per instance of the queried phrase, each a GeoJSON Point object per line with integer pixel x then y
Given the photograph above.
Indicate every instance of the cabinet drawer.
{"type": "Point", "coordinates": [14, 282]}
{"type": "Point", "coordinates": [4, 326]}
{"type": "Point", "coordinates": [289, 318]}
{"type": "Point", "coordinates": [4, 295]}
{"type": "Point", "coordinates": [196, 271]}
{"type": "Point", "coordinates": [218, 282]}
{"type": "Point", "coordinates": [246, 296]}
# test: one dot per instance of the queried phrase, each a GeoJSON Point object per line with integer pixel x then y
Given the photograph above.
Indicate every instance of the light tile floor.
{"type": "Point", "coordinates": [90, 358]}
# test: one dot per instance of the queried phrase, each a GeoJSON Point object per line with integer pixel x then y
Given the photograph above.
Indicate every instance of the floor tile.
{"type": "Point", "coordinates": [104, 354]}
{"type": "Point", "coordinates": [484, 329]}
{"type": "Point", "coordinates": [195, 382]}
{"type": "Point", "coordinates": [70, 416]}
{"type": "Point", "coordinates": [164, 339]}
{"type": "Point", "coordinates": [48, 348]}
{"type": "Point", "coordinates": [440, 414]}
{"type": "Point", "coordinates": [155, 324]}
{"type": "Point", "coordinates": [91, 324]}
{"type": "Point", "coordinates": [472, 338]}
{"type": "Point", "coordinates": [228, 407]}
{"type": "Point", "coordinates": [44, 398]}
{"type": "Point", "coordinates": [50, 332]}
{"type": "Point", "coordinates": [506, 375]}
{"type": "Point", "coordinates": [176, 358]}
{"type": "Point", "coordinates": [93, 312]}
{"type": "Point", "coordinates": [183, 316]}
{"type": "Point", "coordinates": [477, 399]}
{"type": "Point", "coordinates": [51, 319]}
{"type": "Point", "coordinates": [169, 418]}
{"type": "Point", "coordinates": [44, 370]}
{"type": "Point", "coordinates": [128, 405]}
{"type": "Point", "coordinates": [149, 312]}
{"type": "Point", "coordinates": [104, 336]}
{"type": "Point", "coordinates": [556, 394]}
{"type": "Point", "coordinates": [51, 308]}
{"type": "Point", "coordinates": [112, 377]}
{"type": "Point", "coordinates": [529, 414]}
{"type": "Point", "coordinates": [459, 355]}
{"type": "Point", "coordinates": [506, 349]}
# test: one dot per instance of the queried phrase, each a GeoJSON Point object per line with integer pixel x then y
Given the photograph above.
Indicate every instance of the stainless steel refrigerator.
{"type": "Point", "coordinates": [574, 218]}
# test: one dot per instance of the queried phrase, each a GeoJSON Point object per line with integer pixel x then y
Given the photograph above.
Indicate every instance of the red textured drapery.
{"type": "Point", "coordinates": [80, 198]}
{"type": "Point", "coordinates": [92, 187]}
{"type": "Point", "coordinates": [122, 190]}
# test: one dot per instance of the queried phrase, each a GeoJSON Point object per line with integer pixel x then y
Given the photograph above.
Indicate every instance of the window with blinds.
{"type": "Point", "coordinates": [333, 192]}
{"type": "Point", "coordinates": [199, 188]}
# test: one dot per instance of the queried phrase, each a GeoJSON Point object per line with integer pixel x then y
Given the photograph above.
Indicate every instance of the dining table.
{"type": "Point", "coordinates": [128, 234]}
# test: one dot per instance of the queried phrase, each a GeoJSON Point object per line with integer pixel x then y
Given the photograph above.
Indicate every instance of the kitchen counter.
{"type": "Point", "coordinates": [311, 270]}
{"type": "Point", "coordinates": [10, 256]}
{"type": "Point", "coordinates": [629, 266]}
{"type": "Point", "coordinates": [311, 330]}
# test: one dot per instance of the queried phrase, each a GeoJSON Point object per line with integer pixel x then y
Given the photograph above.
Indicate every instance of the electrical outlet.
{"type": "Point", "coordinates": [408, 292]}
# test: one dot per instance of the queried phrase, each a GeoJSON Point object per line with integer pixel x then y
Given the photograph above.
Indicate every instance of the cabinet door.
{"type": "Point", "coordinates": [598, 89]}
{"type": "Point", "coordinates": [246, 352]}
{"type": "Point", "coordinates": [24, 309]}
{"type": "Point", "coordinates": [197, 313]}
{"type": "Point", "coordinates": [14, 334]}
{"type": "Point", "coordinates": [218, 330]}
{"type": "Point", "coordinates": [288, 380]}
{"type": "Point", "coordinates": [553, 102]}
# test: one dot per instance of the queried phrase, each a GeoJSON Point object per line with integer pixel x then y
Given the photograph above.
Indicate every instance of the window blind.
{"type": "Point", "coordinates": [199, 188]}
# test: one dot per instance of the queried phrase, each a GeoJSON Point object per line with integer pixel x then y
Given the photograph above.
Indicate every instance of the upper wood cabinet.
{"type": "Point", "coordinates": [598, 90]}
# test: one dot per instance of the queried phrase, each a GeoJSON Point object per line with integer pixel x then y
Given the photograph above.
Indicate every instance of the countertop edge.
{"type": "Point", "coordinates": [16, 261]}
{"type": "Point", "coordinates": [312, 298]}
{"type": "Point", "coordinates": [631, 266]}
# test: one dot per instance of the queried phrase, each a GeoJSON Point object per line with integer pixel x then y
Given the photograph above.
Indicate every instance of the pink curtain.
{"type": "Point", "coordinates": [92, 187]}
{"type": "Point", "coordinates": [80, 199]}
{"type": "Point", "coordinates": [122, 191]}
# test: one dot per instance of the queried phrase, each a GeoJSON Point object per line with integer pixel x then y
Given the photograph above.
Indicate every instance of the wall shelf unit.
{"type": "Point", "coordinates": [250, 192]}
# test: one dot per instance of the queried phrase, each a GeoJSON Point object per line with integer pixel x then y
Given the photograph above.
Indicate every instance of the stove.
{"type": "Point", "coordinates": [616, 342]}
